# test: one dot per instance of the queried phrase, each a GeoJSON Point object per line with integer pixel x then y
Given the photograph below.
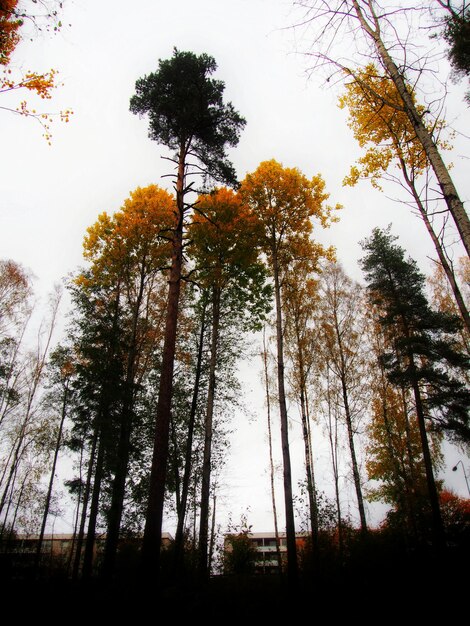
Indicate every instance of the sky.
{"type": "Point", "coordinates": [51, 194]}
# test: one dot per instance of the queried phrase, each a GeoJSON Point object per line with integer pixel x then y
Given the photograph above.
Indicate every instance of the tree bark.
{"type": "Point", "coordinates": [312, 496]}
{"type": "Point", "coordinates": [439, 249]}
{"type": "Point", "coordinates": [77, 518]}
{"type": "Point", "coordinates": [449, 192]}
{"type": "Point", "coordinates": [206, 465]}
{"type": "Point", "coordinates": [310, 476]}
{"type": "Point", "coordinates": [86, 497]}
{"type": "Point", "coordinates": [51, 481]}
{"type": "Point", "coordinates": [333, 439]}
{"type": "Point", "coordinates": [13, 522]}
{"type": "Point", "coordinates": [271, 461]}
{"type": "Point", "coordinates": [292, 565]}
{"type": "Point", "coordinates": [437, 525]}
{"type": "Point", "coordinates": [212, 539]}
{"type": "Point", "coordinates": [123, 451]}
{"type": "Point", "coordinates": [154, 517]}
{"type": "Point", "coordinates": [348, 416]}
{"type": "Point", "coordinates": [189, 445]}
{"type": "Point", "coordinates": [88, 555]}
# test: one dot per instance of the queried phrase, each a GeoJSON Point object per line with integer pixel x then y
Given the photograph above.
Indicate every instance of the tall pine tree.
{"type": "Point", "coordinates": [188, 115]}
{"type": "Point", "coordinates": [423, 357]}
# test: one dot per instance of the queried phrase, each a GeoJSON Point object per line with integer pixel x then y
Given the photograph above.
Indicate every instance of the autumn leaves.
{"type": "Point", "coordinates": [41, 84]}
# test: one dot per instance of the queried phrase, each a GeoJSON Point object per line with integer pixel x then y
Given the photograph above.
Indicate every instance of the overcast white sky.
{"type": "Point", "coordinates": [50, 195]}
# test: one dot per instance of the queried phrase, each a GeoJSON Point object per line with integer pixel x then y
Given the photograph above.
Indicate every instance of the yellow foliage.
{"type": "Point", "coordinates": [139, 233]}
{"type": "Point", "coordinates": [285, 200]}
{"type": "Point", "coordinates": [225, 235]}
{"type": "Point", "coordinates": [379, 122]}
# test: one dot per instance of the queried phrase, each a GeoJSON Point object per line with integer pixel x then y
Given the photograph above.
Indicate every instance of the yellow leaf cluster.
{"type": "Point", "coordinates": [140, 233]}
{"type": "Point", "coordinates": [379, 123]}
{"type": "Point", "coordinates": [285, 202]}
{"type": "Point", "coordinates": [224, 234]}
{"type": "Point", "coordinates": [285, 199]}
{"type": "Point", "coordinates": [40, 83]}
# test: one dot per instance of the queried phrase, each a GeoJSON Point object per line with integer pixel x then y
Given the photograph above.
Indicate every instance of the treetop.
{"type": "Point", "coordinates": [187, 113]}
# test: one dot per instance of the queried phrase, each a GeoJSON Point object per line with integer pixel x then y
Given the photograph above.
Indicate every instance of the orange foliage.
{"type": "Point", "coordinates": [380, 124]}
{"type": "Point", "coordinates": [224, 235]}
{"type": "Point", "coordinates": [453, 504]}
{"type": "Point", "coordinates": [40, 84]}
{"type": "Point", "coordinates": [455, 513]}
{"type": "Point", "coordinates": [140, 232]}
{"type": "Point", "coordinates": [9, 26]}
{"type": "Point", "coordinates": [285, 202]}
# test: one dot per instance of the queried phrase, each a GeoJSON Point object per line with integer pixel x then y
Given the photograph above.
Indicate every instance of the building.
{"type": "Point", "coordinates": [259, 550]}
{"type": "Point", "coordinates": [19, 553]}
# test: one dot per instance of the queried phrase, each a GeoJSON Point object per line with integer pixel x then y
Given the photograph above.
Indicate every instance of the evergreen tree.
{"type": "Point", "coordinates": [457, 35]}
{"type": "Point", "coordinates": [423, 357]}
{"type": "Point", "coordinates": [394, 451]}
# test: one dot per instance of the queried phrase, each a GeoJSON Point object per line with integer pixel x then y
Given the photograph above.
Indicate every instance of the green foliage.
{"type": "Point", "coordinates": [224, 236]}
{"type": "Point", "coordinates": [423, 348]}
{"type": "Point", "coordinates": [187, 113]}
{"type": "Point", "coordinates": [457, 35]}
{"type": "Point", "coordinates": [326, 510]}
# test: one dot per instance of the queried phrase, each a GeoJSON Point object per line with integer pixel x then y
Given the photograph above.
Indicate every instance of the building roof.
{"type": "Point", "coordinates": [270, 535]}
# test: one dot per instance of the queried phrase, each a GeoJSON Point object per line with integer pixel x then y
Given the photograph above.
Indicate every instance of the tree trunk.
{"type": "Point", "coordinates": [400, 475]}
{"type": "Point", "coordinates": [13, 522]}
{"type": "Point", "coordinates": [348, 416]}
{"type": "Point", "coordinates": [312, 496]}
{"type": "Point", "coordinates": [292, 566]}
{"type": "Point", "coordinates": [10, 502]}
{"type": "Point", "coordinates": [51, 481]}
{"type": "Point", "coordinates": [123, 451]}
{"type": "Point", "coordinates": [95, 498]}
{"type": "Point", "coordinates": [86, 497]}
{"type": "Point", "coordinates": [437, 525]}
{"type": "Point", "coordinates": [271, 461]}
{"type": "Point", "coordinates": [206, 465]}
{"type": "Point", "coordinates": [174, 464]}
{"type": "Point", "coordinates": [154, 517]}
{"type": "Point", "coordinates": [118, 491]}
{"type": "Point", "coordinates": [352, 450]}
{"type": "Point", "coordinates": [212, 539]}
{"type": "Point", "coordinates": [14, 463]}
{"type": "Point", "coordinates": [415, 509]}
{"type": "Point", "coordinates": [333, 439]}
{"type": "Point", "coordinates": [189, 445]}
{"type": "Point", "coordinates": [37, 370]}
{"type": "Point", "coordinates": [77, 517]}
{"type": "Point", "coordinates": [439, 249]}
{"type": "Point", "coordinates": [312, 499]}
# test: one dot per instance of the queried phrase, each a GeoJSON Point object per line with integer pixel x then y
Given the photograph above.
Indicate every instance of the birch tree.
{"type": "Point", "coordinates": [286, 202]}
{"type": "Point", "coordinates": [348, 34]}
